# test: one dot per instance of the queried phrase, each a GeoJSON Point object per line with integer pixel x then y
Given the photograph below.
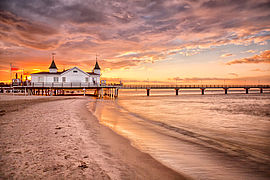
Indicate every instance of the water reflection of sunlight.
{"type": "Point", "coordinates": [212, 120]}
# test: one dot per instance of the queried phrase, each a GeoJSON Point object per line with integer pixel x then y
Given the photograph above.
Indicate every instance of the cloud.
{"type": "Point", "coordinates": [176, 79]}
{"type": "Point", "coordinates": [197, 79]}
{"type": "Point", "coordinates": [131, 81]}
{"type": "Point", "coordinates": [57, 10]}
{"type": "Point", "coordinates": [233, 74]}
{"type": "Point", "coordinates": [155, 30]}
{"type": "Point", "coordinates": [233, 80]}
{"type": "Point", "coordinates": [4, 67]}
{"type": "Point", "coordinates": [119, 64]}
{"type": "Point", "coordinates": [83, 44]}
{"type": "Point", "coordinates": [26, 33]}
{"type": "Point", "coordinates": [104, 64]}
{"type": "Point", "coordinates": [260, 70]}
{"type": "Point", "coordinates": [264, 57]}
{"type": "Point", "coordinates": [226, 55]}
{"type": "Point", "coordinates": [250, 51]}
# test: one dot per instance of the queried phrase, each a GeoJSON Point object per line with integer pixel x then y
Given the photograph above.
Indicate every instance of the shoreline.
{"type": "Point", "coordinates": [143, 166]}
{"type": "Point", "coordinates": [58, 137]}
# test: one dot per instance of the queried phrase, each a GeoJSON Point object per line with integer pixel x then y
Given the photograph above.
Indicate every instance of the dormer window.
{"type": "Point", "coordinates": [75, 71]}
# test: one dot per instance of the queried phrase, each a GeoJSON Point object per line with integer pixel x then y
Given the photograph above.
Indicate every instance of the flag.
{"type": "Point", "coordinates": [15, 68]}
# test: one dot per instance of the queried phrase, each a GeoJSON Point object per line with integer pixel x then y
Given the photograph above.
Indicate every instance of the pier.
{"type": "Point", "coordinates": [50, 89]}
{"type": "Point", "coordinates": [112, 90]}
{"type": "Point", "coordinates": [178, 88]}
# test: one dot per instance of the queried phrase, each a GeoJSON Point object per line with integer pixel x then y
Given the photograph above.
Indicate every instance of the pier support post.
{"type": "Point", "coordinates": [116, 92]}
{"type": "Point", "coordinates": [202, 90]}
{"type": "Point", "coordinates": [226, 90]}
{"type": "Point", "coordinates": [148, 92]}
{"type": "Point", "coordinates": [246, 90]}
{"type": "Point", "coordinates": [261, 90]}
{"type": "Point", "coordinates": [83, 91]}
{"type": "Point", "coordinates": [176, 92]}
{"type": "Point", "coordinates": [100, 93]}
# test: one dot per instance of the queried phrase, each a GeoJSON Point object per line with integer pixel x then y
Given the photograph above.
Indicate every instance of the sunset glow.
{"type": "Point", "coordinates": [188, 42]}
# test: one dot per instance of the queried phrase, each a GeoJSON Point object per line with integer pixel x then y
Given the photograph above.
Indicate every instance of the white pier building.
{"type": "Point", "coordinates": [73, 75]}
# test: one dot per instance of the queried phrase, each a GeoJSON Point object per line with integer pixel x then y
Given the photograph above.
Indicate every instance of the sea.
{"type": "Point", "coordinates": [211, 136]}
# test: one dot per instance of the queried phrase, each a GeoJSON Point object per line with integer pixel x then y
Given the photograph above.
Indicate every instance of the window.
{"type": "Point", "coordinates": [86, 79]}
{"type": "Point", "coordinates": [55, 79]}
{"type": "Point", "coordinates": [40, 79]}
{"type": "Point", "coordinates": [75, 71]}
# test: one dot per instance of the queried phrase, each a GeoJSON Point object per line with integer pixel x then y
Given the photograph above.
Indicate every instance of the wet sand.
{"type": "Point", "coordinates": [58, 138]}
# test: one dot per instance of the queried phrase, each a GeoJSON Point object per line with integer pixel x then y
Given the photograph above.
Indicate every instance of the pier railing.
{"type": "Point", "coordinates": [36, 88]}
{"type": "Point", "coordinates": [67, 85]}
{"type": "Point", "coordinates": [141, 86]}
{"type": "Point", "coordinates": [190, 86]}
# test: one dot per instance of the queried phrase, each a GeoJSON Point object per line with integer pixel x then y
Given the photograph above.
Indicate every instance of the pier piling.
{"type": "Point", "coordinates": [202, 90]}
{"type": "Point", "coordinates": [176, 92]}
{"type": "Point", "coordinates": [261, 90]}
{"type": "Point", "coordinates": [116, 92]}
{"type": "Point", "coordinates": [148, 92]}
{"type": "Point", "coordinates": [246, 90]}
{"type": "Point", "coordinates": [226, 90]}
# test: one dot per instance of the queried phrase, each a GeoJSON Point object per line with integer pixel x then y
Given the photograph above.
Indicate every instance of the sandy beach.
{"type": "Point", "coordinates": [58, 138]}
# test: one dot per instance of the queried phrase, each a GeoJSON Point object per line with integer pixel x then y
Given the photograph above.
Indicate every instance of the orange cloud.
{"type": "Point", "coordinates": [264, 57]}
{"type": "Point", "coordinates": [250, 51]}
{"type": "Point", "coordinates": [125, 33]}
{"type": "Point", "coordinates": [226, 55]}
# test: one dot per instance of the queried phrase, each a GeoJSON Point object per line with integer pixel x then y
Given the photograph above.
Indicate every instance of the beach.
{"type": "Point", "coordinates": [58, 138]}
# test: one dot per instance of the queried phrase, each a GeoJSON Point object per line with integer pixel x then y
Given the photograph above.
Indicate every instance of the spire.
{"type": "Point", "coordinates": [96, 66]}
{"type": "Point", "coordinates": [53, 66]}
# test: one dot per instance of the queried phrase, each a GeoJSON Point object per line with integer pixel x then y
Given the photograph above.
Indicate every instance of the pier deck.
{"type": "Point", "coordinates": [201, 87]}
{"type": "Point", "coordinates": [61, 88]}
{"type": "Point", "coordinates": [112, 89]}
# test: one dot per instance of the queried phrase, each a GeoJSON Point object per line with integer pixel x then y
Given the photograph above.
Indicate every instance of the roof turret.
{"type": "Point", "coordinates": [53, 66]}
{"type": "Point", "coordinates": [97, 66]}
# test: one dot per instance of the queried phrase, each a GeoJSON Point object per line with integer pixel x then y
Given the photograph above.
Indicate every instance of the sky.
{"type": "Point", "coordinates": [157, 41]}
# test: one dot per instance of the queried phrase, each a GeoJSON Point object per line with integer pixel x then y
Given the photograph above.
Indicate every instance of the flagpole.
{"type": "Point", "coordinates": [10, 74]}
